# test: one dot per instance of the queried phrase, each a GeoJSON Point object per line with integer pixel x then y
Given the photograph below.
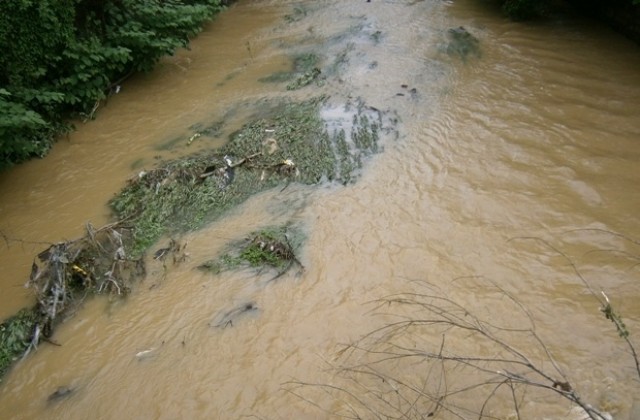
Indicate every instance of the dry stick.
{"type": "Point", "coordinates": [368, 370]}
{"type": "Point", "coordinates": [7, 239]}
{"type": "Point", "coordinates": [91, 232]}
{"type": "Point", "coordinates": [491, 394]}
{"type": "Point", "coordinates": [605, 304]}
{"type": "Point", "coordinates": [515, 401]}
{"type": "Point", "coordinates": [614, 251]}
{"type": "Point", "coordinates": [444, 376]}
{"type": "Point", "coordinates": [563, 255]}
{"type": "Point", "coordinates": [619, 235]}
{"type": "Point", "coordinates": [622, 330]}
{"type": "Point", "coordinates": [234, 165]}
{"type": "Point", "coordinates": [378, 395]}
{"type": "Point", "coordinates": [524, 361]}
{"type": "Point", "coordinates": [414, 403]}
{"type": "Point", "coordinates": [476, 325]}
{"type": "Point", "coordinates": [55, 291]}
{"type": "Point", "coordinates": [306, 384]}
{"type": "Point", "coordinates": [393, 390]}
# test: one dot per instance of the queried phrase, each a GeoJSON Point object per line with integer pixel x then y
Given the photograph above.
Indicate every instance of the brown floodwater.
{"type": "Point", "coordinates": [510, 170]}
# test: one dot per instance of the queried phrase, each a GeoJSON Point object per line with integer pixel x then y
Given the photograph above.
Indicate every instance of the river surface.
{"type": "Point", "coordinates": [510, 169]}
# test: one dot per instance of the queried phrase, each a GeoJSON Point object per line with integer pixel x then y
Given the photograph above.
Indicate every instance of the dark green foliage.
{"type": "Point", "coordinates": [151, 29]}
{"type": "Point", "coordinates": [524, 9]}
{"type": "Point", "coordinates": [22, 131]}
{"type": "Point", "coordinates": [60, 57]}
{"type": "Point", "coordinates": [32, 35]}
{"type": "Point", "coordinates": [529, 9]}
{"type": "Point", "coordinates": [15, 336]}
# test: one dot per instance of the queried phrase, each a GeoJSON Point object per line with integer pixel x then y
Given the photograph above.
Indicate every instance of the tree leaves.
{"type": "Point", "coordinates": [59, 57]}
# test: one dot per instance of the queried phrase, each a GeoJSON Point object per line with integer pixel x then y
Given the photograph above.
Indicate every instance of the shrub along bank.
{"type": "Point", "coordinates": [61, 57]}
{"type": "Point", "coordinates": [621, 15]}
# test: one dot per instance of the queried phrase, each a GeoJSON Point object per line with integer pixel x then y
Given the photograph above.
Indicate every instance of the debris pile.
{"type": "Point", "coordinates": [272, 247]}
{"type": "Point", "coordinates": [96, 263]}
{"type": "Point", "coordinates": [62, 276]}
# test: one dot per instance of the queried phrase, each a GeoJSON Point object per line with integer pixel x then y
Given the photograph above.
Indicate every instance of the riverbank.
{"type": "Point", "coordinates": [89, 50]}
{"type": "Point", "coordinates": [621, 15]}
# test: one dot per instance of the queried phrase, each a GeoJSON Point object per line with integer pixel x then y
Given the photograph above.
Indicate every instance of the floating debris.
{"type": "Point", "coordinates": [61, 277]}
{"type": "Point", "coordinates": [192, 138]}
{"type": "Point", "coordinates": [462, 44]}
{"type": "Point", "coordinates": [145, 354]}
{"type": "Point", "coordinates": [267, 248]}
{"type": "Point", "coordinates": [66, 271]}
{"type": "Point", "coordinates": [174, 248]}
{"type": "Point", "coordinates": [61, 393]}
{"type": "Point", "coordinates": [226, 319]}
{"type": "Point", "coordinates": [304, 79]}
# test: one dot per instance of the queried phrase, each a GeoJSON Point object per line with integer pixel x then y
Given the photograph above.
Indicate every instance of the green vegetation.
{"type": "Point", "coordinates": [461, 44]}
{"type": "Point", "coordinates": [529, 9]}
{"type": "Point", "coordinates": [290, 144]}
{"type": "Point", "coordinates": [15, 336]}
{"type": "Point", "coordinates": [60, 58]}
{"type": "Point", "coordinates": [304, 71]}
{"type": "Point", "coordinates": [299, 13]}
{"type": "Point", "coordinates": [270, 247]}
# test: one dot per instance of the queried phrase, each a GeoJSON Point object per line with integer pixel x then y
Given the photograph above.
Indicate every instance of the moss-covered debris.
{"type": "Point", "coordinates": [272, 247]}
{"type": "Point", "coordinates": [296, 15]}
{"type": "Point", "coordinates": [461, 44]}
{"type": "Point", "coordinates": [305, 70]}
{"type": "Point", "coordinates": [304, 79]}
{"type": "Point", "coordinates": [289, 144]}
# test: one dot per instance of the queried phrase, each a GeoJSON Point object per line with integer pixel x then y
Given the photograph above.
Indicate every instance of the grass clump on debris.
{"type": "Point", "coordinates": [273, 247]}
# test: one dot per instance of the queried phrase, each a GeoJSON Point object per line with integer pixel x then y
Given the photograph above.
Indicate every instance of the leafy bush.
{"type": "Point", "coordinates": [528, 9]}
{"type": "Point", "coordinates": [59, 57]}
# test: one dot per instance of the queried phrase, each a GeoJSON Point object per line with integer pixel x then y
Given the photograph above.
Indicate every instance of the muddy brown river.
{"type": "Point", "coordinates": [511, 169]}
